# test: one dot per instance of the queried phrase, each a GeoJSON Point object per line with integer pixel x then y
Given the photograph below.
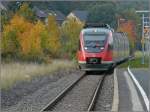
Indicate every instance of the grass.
{"type": "Point", "coordinates": [136, 63]}
{"type": "Point", "coordinates": [17, 71]}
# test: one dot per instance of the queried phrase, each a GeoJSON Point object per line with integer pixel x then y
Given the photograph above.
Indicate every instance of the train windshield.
{"type": "Point", "coordinates": [94, 42]}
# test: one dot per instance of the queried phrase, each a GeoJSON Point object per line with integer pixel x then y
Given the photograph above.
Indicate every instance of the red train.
{"type": "Point", "coordinates": [101, 49]}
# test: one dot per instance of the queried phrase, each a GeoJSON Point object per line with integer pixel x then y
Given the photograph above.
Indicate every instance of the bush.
{"type": "Point", "coordinates": [70, 30]}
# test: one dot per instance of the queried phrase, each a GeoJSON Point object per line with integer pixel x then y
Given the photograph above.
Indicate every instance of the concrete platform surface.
{"type": "Point", "coordinates": [130, 99]}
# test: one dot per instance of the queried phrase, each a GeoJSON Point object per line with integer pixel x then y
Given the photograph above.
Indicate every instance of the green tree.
{"type": "Point", "coordinates": [12, 35]}
{"type": "Point", "coordinates": [130, 14]}
{"type": "Point", "coordinates": [10, 44]}
{"type": "Point", "coordinates": [4, 18]}
{"type": "Point", "coordinates": [103, 13]}
{"type": "Point", "coordinates": [71, 29]}
{"type": "Point", "coordinates": [26, 12]}
{"type": "Point", "coordinates": [53, 41]}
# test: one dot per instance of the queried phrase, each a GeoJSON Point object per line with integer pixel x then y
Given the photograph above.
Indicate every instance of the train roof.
{"type": "Point", "coordinates": [97, 27]}
{"type": "Point", "coordinates": [96, 30]}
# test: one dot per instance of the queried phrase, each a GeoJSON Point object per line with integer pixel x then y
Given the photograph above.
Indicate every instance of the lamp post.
{"type": "Point", "coordinates": [143, 57]}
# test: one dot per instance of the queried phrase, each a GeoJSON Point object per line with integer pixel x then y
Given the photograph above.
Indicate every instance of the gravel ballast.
{"type": "Point", "coordinates": [34, 95]}
{"type": "Point", "coordinates": [80, 96]}
{"type": "Point", "coordinates": [105, 98]}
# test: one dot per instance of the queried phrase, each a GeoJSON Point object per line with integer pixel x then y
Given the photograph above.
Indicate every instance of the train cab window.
{"type": "Point", "coordinates": [94, 42]}
{"type": "Point", "coordinates": [94, 38]}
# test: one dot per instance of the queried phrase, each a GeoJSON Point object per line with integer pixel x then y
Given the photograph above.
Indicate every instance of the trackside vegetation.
{"type": "Point", "coordinates": [28, 40]}
{"type": "Point", "coordinates": [30, 48]}
{"type": "Point", "coordinates": [137, 61]}
{"type": "Point", "coordinates": [14, 72]}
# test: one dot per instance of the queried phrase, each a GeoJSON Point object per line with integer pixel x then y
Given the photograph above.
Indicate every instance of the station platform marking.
{"type": "Point", "coordinates": [146, 101]}
{"type": "Point", "coordinates": [116, 94]}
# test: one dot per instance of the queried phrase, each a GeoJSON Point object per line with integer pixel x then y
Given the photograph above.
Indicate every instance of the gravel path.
{"type": "Point", "coordinates": [40, 96]}
{"type": "Point", "coordinates": [105, 98]}
{"type": "Point", "coordinates": [79, 97]}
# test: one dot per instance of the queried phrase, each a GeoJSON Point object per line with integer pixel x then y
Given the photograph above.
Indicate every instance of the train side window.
{"type": "Point", "coordinates": [119, 46]}
{"type": "Point", "coordinates": [110, 43]}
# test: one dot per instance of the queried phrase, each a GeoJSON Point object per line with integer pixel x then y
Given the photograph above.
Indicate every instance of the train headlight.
{"type": "Point", "coordinates": [85, 48]}
{"type": "Point", "coordinates": [102, 48]}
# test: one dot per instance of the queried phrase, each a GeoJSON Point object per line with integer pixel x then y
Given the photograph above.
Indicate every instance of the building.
{"type": "Point", "coordinates": [79, 15]}
{"type": "Point", "coordinates": [43, 15]}
{"type": "Point", "coordinates": [2, 6]}
{"type": "Point", "coordinates": [58, 15]}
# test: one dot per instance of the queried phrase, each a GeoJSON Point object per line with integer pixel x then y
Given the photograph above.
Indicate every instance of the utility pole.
{"type": "Point", "coordinates": [144, 25]}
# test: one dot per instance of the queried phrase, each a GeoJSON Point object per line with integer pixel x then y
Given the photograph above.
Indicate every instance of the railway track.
{"type": "Point", "coordinates": [95, 95]}
{"type": "Point", "coordinates": [92, 101]}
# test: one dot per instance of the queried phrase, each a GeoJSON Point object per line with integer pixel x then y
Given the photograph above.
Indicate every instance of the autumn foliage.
{"type": "Point", "coordinates": [53, 43]}
{"type": "Point", "coordinates": [33, 40]}
{"type": "Point", "coordinates": [26, 12]}
{"type": "Point", "coordinates": [70, 30]}
{"type": "Point", "coordinates": [129, 28]}
{"type": "Point", "coordinates": [30, 41]}
{"type": "Point", "coordinates": [12, 34]}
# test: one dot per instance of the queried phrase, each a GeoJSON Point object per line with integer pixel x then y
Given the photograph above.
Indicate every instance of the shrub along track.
{"type": "Point", "coordinates": [81, 95]}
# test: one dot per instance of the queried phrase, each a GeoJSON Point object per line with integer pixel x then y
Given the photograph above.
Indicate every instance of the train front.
{"type": "Point", "coordinates": [95, 50]}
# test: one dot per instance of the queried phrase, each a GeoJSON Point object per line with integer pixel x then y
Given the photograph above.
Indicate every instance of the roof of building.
{"type": "Point", "coordinates": [44, 13]}
{"type": "Point", "coordinates": [81, 14]}
{"type": "Point", "coordinates": [57, 14]}
{"type": "Point", "coordinates": [41, 13]}
{"type": "Point", "coordinates": [2, 6]}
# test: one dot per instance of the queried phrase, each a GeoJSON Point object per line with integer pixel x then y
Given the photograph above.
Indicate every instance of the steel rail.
{"type": "Point", "coordinates": [51, 104]}
{"type": "Point", "coordinates": [95, 95]}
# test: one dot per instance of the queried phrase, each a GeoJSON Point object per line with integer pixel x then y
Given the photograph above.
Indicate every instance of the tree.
{"type": "Point", "coordinates": [130, 14]}
{"type": "Point", "coordinates": [134, 30]}
{"type": "Point", "coordinates": [26, 12]}
{"type": "Point", "coordinates": [31, 40]}
{"type": "Point", "coordinates": [4, 18]}
{"type": "Point", "coordinates": [129, 28]}
{"type": "Point", "coordinates": [53, 41]}
{"type": "Point", "coordinates": [71, 29]}
{"type": "Point", "coordinates": [103, 13]}
{"type": "Point", "coordinates": [22, 38]}
{"type": "Point", "coordinates": [11, 40]}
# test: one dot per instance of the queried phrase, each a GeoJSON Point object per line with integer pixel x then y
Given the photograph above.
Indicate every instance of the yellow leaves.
{"type": "Point", "coordinates": [129, 28]}
{"type": "Point", "coordinates": [31, 40]}
{"type": "Point", "coordinates": [71, 29]}
{"type": "Point", "coordinates": [24, 35]}
{"type": "Point", "coordinates": [53, 36]}
{"type": "Point", "coordinates": [25, 43]}
{"type": "Point", "coordinates": [18, 30]}
{"type": "Point", "coordinates": [35, 40]}
{"type": "Point", "coordinates": [35, 37]}
{"type": "Point", "coordinates": [20, 24]}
